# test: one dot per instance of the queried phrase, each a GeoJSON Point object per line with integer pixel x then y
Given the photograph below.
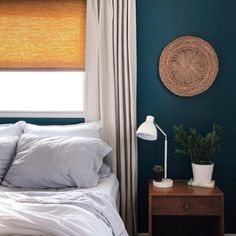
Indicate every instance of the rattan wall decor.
{"type": "Point", "coordinates": [188, 66]}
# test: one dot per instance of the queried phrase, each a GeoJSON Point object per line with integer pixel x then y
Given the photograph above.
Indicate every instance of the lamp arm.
{"type": "Point", "coordinates": [165, 151]}
{"type": "Point", "coordinates": [161, 130]}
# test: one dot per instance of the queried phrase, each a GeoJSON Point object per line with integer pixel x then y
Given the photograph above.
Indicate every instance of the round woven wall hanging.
{"type": "Point", "coordinates": [188, 66]}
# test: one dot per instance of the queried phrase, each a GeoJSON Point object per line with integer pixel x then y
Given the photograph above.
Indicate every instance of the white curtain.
{"type": "Point", "coordinates": [111, 90]}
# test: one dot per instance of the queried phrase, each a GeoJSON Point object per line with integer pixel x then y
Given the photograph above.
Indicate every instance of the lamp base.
{"type": "Point", "coordinates": [165, 183]}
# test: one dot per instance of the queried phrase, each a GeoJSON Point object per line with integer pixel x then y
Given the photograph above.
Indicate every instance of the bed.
{"type": "Point", "coordinates": [70, 211]}
{"type": "Point", "coordinates": [30, 206]}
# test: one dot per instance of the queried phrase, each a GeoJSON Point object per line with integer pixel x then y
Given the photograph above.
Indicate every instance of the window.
{"type": "Point", "coordinates": [42, 58]}
{"type": "Point", "coordinates": [42, 93]}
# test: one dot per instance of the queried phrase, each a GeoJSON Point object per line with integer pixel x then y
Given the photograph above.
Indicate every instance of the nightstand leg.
{"type": "Point", "coordinates": [221, 223]}
{"type": "Point", "coordinates": [150, 216]}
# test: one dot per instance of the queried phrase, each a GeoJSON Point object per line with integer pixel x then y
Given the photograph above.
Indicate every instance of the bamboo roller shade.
{"type": "Point", "coordinates": [42, 33]}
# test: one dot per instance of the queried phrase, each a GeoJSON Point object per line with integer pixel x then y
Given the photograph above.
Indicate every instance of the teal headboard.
{"type": "Point", "coordinates": [43, 121]}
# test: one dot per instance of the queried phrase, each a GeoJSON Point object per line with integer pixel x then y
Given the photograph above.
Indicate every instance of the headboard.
{"type": "Point", "coordinates": [43, 121]}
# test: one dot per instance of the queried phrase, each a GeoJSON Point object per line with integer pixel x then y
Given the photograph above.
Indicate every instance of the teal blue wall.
{"type": "Point", "coordinates": [43, 121]}
{"type": "Point", "coordinates": [159, 22]}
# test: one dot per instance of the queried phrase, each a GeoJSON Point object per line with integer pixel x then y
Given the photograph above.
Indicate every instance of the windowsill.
{"type": "Point", "coordinates": [43, 114]}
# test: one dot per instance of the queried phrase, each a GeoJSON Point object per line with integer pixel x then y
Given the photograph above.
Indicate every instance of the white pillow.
{"type": "Point", "coordinates": [7, 151]}
{"type": "Point", "coordinates": [12, 129]}
{"type": "Point", "coordinates": [90, 129]}
{"type": "Point", "coordinates": [56, 162]}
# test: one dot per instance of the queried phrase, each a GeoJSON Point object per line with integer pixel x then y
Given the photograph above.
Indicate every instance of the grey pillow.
{"type": "Point", "coordinates": [7, 151]}
{"type": "Point", "coordinates": [104, 171]}
{"type": "Point", "coordinates": [12, 129]}
{"type": "Point", "coordinates": [89, 129]}
{"type": "Point", "coordinates": [56, 162]}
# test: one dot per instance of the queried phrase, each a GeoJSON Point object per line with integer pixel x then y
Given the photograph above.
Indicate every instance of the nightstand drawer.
{"type": "Point", "coordinates": [186, 206]}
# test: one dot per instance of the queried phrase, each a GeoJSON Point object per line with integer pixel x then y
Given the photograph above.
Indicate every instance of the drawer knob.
{"type": "Point", "coordinates": [186, 207]}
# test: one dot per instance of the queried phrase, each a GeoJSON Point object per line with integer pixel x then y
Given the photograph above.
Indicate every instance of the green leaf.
{"type": "Point", "coordinates": [200, 149]}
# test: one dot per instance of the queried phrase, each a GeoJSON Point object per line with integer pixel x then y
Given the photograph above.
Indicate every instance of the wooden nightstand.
{"type": "Point", "coordinates": [183, 210]}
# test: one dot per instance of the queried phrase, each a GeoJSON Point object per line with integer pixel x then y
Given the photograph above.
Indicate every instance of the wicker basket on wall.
{"type": "Point", "coordinates": [188, 66]}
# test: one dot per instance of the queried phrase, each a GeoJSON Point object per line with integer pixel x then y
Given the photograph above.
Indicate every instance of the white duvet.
{"type": "Point", "coordinates": [70, 213]}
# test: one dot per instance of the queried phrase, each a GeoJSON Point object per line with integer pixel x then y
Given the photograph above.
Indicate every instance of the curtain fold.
{"type": "Point", "coordinates": [111, 91]}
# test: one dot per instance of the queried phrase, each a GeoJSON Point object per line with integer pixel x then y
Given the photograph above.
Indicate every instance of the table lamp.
{"type": "Point", "coordinates": [148, 131]}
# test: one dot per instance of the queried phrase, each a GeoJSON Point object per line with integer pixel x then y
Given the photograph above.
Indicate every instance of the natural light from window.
{"type": "Point", "coordinates": [42, 92]}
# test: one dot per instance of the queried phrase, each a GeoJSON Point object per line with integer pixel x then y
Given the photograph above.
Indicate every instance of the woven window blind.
{"type": "Point", "coordinates": [42, 33]}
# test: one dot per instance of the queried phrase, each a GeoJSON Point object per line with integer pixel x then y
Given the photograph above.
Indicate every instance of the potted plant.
{"type": "Point", "coordinates": [158, 171]}
{"type": "Point", "coordinates": [200, 149]}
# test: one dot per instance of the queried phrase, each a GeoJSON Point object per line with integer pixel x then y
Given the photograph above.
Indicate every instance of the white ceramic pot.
{"type": "Point", "coordinates": [202, 174]}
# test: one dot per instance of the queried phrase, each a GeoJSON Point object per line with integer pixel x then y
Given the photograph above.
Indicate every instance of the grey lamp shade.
{"type": "Point", "coordinates": [147, 130]}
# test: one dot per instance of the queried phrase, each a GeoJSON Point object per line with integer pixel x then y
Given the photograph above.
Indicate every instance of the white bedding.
{"type": "Point", "coordinates": [84, 212]}
{"type": "Point", "coordinates": [109, 185]}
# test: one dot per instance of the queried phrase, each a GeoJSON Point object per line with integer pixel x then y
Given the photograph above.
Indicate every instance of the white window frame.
{"type": "Point", "coordinates": [46, 114]}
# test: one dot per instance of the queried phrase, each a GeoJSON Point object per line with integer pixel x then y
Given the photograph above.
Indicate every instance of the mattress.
{"type": "Point", "coordinates": [108, 185]}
